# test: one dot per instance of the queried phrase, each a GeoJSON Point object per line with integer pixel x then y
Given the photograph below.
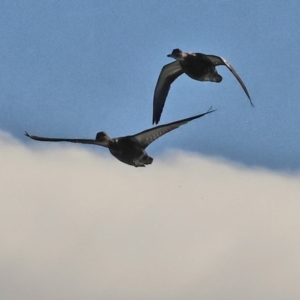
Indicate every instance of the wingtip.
{"type": "Point", "coordinates": [247, 94]}
{"type": "Point", "coordinates": [27, 134]}
{"type": "Point", "coordinates": [210, 110]}
{"type": "Point", "coordinates": [155, 121]}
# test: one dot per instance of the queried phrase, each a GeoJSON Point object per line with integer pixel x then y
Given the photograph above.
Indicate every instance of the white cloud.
{"type": "Point", "coordinates": [76, 225]}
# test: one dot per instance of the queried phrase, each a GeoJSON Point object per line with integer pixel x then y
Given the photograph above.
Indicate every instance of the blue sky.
{"type": "Point", "coordinates": [73, 68]}
{"type": "Point", "coordinates": [216, 216]}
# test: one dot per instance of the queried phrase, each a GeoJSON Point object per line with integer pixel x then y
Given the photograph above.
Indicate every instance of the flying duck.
{"type": "Point", "coordinates": [197, 66]}
{"type": "Point", "coordinates": [128, 149]}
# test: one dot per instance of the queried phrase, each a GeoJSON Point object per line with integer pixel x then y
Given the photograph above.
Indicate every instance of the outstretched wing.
{"type": "Point", "coordinates": [148, 136]}
{"type": "Point", "coordinates": [167, 75]}
{"type": "Point", "coordinates": [220, 61]}
{"type": "Point", "coordinates": [45, 139]}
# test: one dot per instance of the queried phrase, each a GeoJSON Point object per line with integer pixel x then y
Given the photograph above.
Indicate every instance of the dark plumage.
{"type": "Point", "coordinates": [197, 66]}
{"type": "Point", "coordinates": [129, 149]}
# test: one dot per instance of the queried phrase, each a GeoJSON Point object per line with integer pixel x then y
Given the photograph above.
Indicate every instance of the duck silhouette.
{"type": "Point", "coordinates": [128, 149]}
{"type": "Point", "coordinates": [198, 66]}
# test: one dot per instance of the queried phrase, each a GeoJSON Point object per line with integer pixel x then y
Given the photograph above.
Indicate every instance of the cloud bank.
{"type": "Point", "coordinates": [77, 225]}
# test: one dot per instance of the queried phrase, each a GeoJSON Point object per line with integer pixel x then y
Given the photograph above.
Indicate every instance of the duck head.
{"type": "Point", "coordinates": [103, 139]}
{"type": "Point", "coordinates": [177, 54]}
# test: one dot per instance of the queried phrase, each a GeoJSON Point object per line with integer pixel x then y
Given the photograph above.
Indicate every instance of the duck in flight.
{"type": "Point", "coordinates": [197, 66]}
{"type": "Point", "coordinates": [129, 149]}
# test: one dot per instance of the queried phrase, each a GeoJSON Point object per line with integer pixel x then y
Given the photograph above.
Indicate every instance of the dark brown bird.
{"type": "Point", "coordinates": [197, 66]}
{"type": "Point", "coordinates": [129, 149]}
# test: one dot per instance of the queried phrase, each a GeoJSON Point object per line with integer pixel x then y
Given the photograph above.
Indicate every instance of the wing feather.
{"type": "Point", "coordinates": [220, 61]}
{"type": "Point", "coordinates": [45, 139]}
{"type": "Point", "coordinates": [166, 77]}
{"type": "Point", "coordinates": [148, 136]}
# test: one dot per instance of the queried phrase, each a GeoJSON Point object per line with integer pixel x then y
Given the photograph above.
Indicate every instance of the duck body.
{"type": "Point", "coordinates": [128, 149]}
{"type": "Point", "coordinates": [199, 67]}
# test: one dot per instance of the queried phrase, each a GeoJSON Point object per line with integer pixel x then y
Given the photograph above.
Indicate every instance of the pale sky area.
{"type": "Point", "coordinates": [78, 225]}
{"type": "Point", "coordinates": [216, 216]}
